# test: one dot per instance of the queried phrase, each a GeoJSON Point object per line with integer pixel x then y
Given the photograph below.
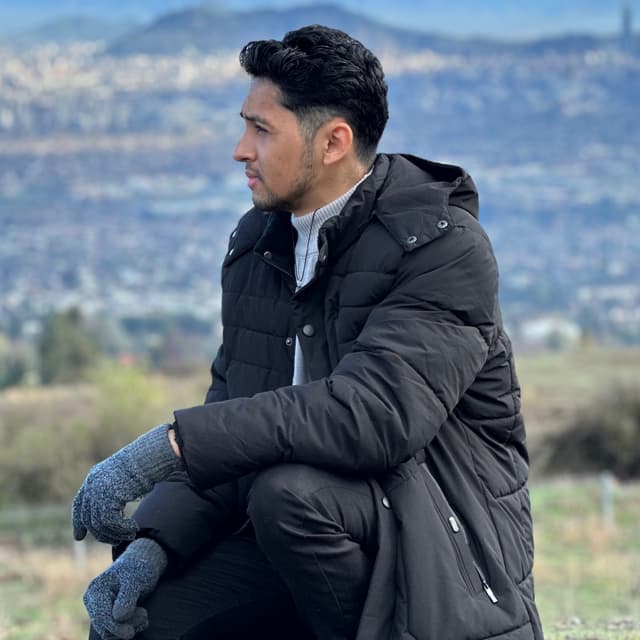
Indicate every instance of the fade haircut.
{"type": "Point", "coordinates": [323, 73]}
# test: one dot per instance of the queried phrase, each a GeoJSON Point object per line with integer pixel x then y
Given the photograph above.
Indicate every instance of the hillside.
{"type": "Point", "coordinates": [208, 29]}
{"type": "Point", "coordinates": [491, 17]}
{"type": "Point", "coordinates": [110, 151]}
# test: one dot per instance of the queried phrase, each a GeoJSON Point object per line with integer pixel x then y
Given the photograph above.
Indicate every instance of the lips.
{"type": "Point", "coordinates": [252, 179]}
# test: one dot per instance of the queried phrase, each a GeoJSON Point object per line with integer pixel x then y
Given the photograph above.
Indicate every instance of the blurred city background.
{"type": "Point", "coordinates": [118, 191]}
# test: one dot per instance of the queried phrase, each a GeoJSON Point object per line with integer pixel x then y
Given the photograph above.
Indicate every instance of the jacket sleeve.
{"type": "Point", "coordinates": [418, 352]}
{"type": "Point", "coordinates": [182, 518]}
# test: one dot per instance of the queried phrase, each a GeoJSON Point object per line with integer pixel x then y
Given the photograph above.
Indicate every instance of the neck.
{"type": "Point", "coordinates": [330, 188]}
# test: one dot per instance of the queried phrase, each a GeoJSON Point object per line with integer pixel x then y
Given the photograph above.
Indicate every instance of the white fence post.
{"type": "Point", "coordinates": [80, 555]}
{"type": "Point", "coordinates": [607, 482]}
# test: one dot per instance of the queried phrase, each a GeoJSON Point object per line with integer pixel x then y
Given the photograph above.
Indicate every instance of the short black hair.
{"type": "Point", "coordinates": [322, 73]}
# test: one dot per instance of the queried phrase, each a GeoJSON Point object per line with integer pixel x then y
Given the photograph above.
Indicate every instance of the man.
{"type": "Point", "coordinates": [359, 467]}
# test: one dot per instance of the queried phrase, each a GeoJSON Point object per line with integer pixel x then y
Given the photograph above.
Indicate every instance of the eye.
{"type": "Point", "coordinates": [260, 129]}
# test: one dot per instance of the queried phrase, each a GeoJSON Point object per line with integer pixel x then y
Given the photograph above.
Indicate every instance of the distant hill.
{"type": "Point", "coordinates": [209, 29]}
{"type": "Point", "coordinates": [116, 151]}
{"type": "Point", "coordinates": [30, 14]}
{"type": "Point", "coordinates": [503, 18]}
{"type": "Point", "coordinates": [173, 26]}
{"type": "Point", "coordinates": [71, 30]}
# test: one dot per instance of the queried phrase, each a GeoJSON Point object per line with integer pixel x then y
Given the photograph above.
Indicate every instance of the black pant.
{"type": "Point", "coordinates": [304, 574]}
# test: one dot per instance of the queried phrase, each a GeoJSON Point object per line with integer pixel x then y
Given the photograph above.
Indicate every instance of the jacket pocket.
{"type": "Point", "coordinates": [469, 569]}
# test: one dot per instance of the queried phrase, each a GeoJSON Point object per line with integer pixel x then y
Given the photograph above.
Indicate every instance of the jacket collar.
{"type": "Point", "coordinates": [410, 196]}
{"type": "Point", "coordinates": [414, 204]}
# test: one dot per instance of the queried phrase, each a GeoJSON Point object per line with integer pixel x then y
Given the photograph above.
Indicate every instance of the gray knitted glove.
{"type": "Point", "coordinates": [128, 474]}
{"type": "Point", "coordinates": [112, 598]}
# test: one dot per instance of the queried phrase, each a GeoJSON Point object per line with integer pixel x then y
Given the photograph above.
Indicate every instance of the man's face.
{"type": "Point", "coordinates": [279, 161]}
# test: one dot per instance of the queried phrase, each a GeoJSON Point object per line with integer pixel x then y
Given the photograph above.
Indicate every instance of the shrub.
{"type": "Point", "coordinates": [49, 441]}
{"type": "Point", "coordinates": [130, 400]}
{"type": "Point", "coordinates": [605, 436]}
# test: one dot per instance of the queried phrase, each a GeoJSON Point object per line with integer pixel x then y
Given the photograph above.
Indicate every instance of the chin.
{"type": "Point", "coordinates": [263, 206]}
{"type": "Point", "coordinates": [269, 205]}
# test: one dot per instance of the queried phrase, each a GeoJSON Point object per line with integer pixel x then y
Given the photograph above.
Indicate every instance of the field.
{"type": "Point", "coordinates": [587, 572]}
{"type": "Point", "coordinates": [587, 567]}
{"type": "Point", "coordinates": [587, 563]}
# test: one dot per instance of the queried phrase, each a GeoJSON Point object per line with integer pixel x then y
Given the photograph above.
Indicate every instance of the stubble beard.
{"type": "Point", "coordinates": [270, 201]}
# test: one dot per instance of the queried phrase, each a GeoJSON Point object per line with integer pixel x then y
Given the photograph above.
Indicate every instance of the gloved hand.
{"type": "Point", "coordinates": [112, 597]}
{"type": "Point", "coordinates": [128, 474]}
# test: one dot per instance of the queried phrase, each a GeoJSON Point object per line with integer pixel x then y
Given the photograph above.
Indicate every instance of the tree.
{"type": "Point", "coordinates": [14, 363]}
{"type": "Point", "coordinates": [66, 349]}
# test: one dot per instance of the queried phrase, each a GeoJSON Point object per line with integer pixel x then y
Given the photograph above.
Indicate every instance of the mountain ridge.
{"type": "Point", "coordinates": [70, 29]}
{"type": "Point", "coordinates": [467, 17]}
{"type": "Point", "coordinates": [205, 29]}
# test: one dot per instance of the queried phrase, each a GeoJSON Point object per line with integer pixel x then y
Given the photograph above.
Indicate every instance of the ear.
{"type": "Point", "coordinates": [337, 141]}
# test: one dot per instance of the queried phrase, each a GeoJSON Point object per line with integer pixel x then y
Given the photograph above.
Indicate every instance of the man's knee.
{"type": "Point", "coordinates": [277, 494]}
{"type": "Point", "coordinates": [287, 503]}
{"type": "Point", "coordinates": [290, 502]}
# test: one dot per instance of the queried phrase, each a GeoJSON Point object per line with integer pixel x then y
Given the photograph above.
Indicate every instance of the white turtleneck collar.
{"type": "Point", "coordinates": [307, 226]}
{"type": "Point", "coordinates": [306, 256]}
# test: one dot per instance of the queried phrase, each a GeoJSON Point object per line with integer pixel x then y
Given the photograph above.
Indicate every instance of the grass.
{"type": "Point", "coordinates": [41, 593]}
{"type": "Point", "coordinates": [587, 573]}
{"type": "Point", "coordinates": [576, 630]}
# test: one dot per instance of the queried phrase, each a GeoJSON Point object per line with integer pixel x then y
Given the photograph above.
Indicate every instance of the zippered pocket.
{"type": "Point", "coordinates": [485, 585]}
{"type": "Point", "coordinates": [469, 569]}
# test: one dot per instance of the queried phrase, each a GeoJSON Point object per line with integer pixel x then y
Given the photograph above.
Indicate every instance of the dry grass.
{"type": "Point", "coordinates": [588, 575]}
{"type": "Point", "coordinates": [587, 571]}
{"type": "Point", "coordinates": [556, 384]}
{"type": "Point", "coordinates": [41, 593]}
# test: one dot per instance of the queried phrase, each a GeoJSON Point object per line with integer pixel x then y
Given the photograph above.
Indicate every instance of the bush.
{"type": "Point", "coordinates": [40, 463]}
{"type": "Point", "coordinates": [605, 436]}
{"type": "Point", "coordinates": [129, 402]}
{"type": "Point", "coordinates": [49, 442]}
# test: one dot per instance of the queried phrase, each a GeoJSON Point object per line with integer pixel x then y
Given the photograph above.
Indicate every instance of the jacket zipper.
{"type": "Point", "coordinates": [455, 527]}
{"type": "Point", "coordinates": [453, 524]}
{"type": "Point", "coordinates": [485, 585]}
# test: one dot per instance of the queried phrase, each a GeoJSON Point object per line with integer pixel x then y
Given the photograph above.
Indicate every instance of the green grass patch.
{"type": "Point", "coordinates": [587, 569]}
{"type": "Point", "coordinates": [587, 573]}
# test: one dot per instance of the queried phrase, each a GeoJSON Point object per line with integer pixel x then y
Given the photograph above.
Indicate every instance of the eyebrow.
{"type": "Point", "coordinates": [253, 117]}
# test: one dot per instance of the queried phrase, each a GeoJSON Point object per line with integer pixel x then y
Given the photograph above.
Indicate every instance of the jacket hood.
{"type": "Point", "coordinates": [413, 197]}
{"type": "Point", "coordinates": [425, 182]}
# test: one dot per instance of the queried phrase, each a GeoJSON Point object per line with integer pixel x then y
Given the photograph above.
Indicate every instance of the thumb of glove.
{"type": "Point", "coordinates": [139, 620]}
{"type": "Point", "coordinates": [79, 530]}
{"type": "Point", "coordinates": [79, 533]}
{"type": "Point", "coordinates": [125, 604]}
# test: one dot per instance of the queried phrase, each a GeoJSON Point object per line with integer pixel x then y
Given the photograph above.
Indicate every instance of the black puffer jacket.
{"type": "Point", "coordinates": [413, 386]}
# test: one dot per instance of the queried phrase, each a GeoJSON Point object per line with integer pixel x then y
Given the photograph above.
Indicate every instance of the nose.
{"type": "Point", "coordinates": [244, 151]}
